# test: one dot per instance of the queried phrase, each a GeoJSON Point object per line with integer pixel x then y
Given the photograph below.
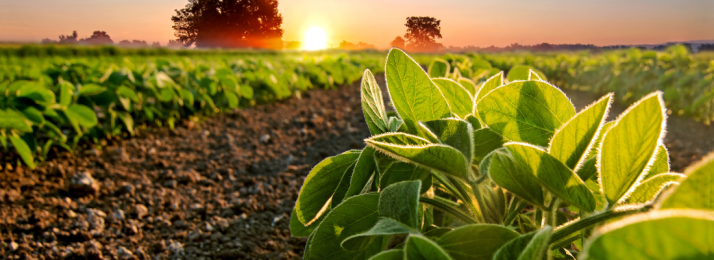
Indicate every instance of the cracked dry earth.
{"type": "Point", "coordinates": [221, 189]}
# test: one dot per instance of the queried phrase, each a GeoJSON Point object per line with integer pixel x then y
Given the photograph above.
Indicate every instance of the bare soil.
{"type": "Point", "coordinates": [222, 189]}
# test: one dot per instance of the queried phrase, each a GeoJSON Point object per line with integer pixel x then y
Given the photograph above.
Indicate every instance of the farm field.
{"type": "Point", "coordinates": [221, 180]}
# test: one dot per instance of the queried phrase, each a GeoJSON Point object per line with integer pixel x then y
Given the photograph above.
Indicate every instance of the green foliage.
{"type": "Point", "coordinates": [492, 182]}
{"type": "Point", "coordinates": [68, 96]}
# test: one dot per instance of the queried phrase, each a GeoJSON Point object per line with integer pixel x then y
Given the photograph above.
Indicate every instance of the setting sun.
{"type": "Point", "coordinates": [315, 39]}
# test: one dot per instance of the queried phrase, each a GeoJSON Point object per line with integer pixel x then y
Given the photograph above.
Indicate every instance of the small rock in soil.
{"type": "Point", "coordinates": [265, 138]}
{"type": "Point", "coordinates": [82, 184]}
{"type": "Point", "coordinates": [140, 211]}
{"type": "Point", "coordinates": [124, 253]}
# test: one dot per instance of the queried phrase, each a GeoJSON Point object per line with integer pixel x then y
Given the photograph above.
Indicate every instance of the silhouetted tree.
{"type": "Point", "coordinates": [422, 33]}
{"type": "Point", "coordinates": [359, 46]}
{"type": "Point", "coordinates": [229, 23]}
{"type": "Point", "coordinates": [398, 42]}
{"type": "Point", "coordinates": [69, 38]}
{"type": "Point", "coordinates": [155, 45]}
{"type": "Point", "coordinates": [98, 37]}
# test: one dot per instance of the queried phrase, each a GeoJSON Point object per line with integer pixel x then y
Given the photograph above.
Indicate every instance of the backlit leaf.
{"type": "Point", "coordinates": [694, 192]}
{"type": "Point", "coordinates": [646, 191]}
{"type": "Point", "coordinates": [458, 98]}
{"type": "Point", "coordinates": [373, 105]}
{"type": "Point", "coordinates": [526, 247]}
{"type": "Point", "coordinates": [439, 68]}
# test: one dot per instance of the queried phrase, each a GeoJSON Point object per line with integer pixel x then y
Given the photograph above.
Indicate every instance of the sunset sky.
{"type": "Point", "coordinates": [464, 22]}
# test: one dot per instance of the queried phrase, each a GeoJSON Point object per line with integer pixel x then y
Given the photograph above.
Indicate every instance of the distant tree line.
{"type": "Point", "coordinates": [102, 38]}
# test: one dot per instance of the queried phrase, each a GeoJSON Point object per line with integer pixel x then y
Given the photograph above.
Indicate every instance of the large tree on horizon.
{"type": "Point", "coordinates": [422, 32]}
{"type": "Point", "coordinates": [229, 24]}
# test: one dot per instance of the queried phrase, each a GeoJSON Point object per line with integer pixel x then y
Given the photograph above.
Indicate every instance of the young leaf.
{"type": "Point", "coordinates": [458, 98]}
{"type": "Point", "coordinates": [439, 68]}
{"type": "Point", "coordinates": [526, 247]}
{"type": "Point", "coordinates": [420, 247]}
{"type": "Point", "coordinates": [355, 215]}
{"type": "Point", "coordinates": [320, 185]}
{"type": "Point", "coordinates": [364, 170]}
{"type": "Point", "coordinates": [669, 234]}
{"type": "Point", "coordinates": [533, 76]}
{"type": "Point", "coordinates": [400, 201]}
{"type": "Point", "coordinates": [489, 85]}
{"type": "Point", "coordinates": [661, 163]}
{"type": "Point", "coordinates": [486, 141]}
{"type": "Point", "coordinates": [476, 241]}
{"type": "Point", "coordinates": [401, 171]}
{"type": "Point", "coordinates": [509, 174]}
{"type": "Point", "coordinates": [373, 105]}
{"type": "Point", "coordinates": [66, 93]}
{"type": "Point", "coordinates": [384, 227]}
{"type": "Point", "coordinates": [81, 114]}
{"type": "Point", "coordinates": [415, 97]}
{"type": "Point", "coordinates": [571, 143]}
{"type": "Point", "coordinates": [469, 85]}
{"type": "Point", "coordinates": [437, 157]}
{"type": "Point", "coordinates": [646, 191]}
{"type": "Point", "coordinates": [629, 147]}
{"type": "Point", "coordinates": [553, 175]}
{"type": "Point", "coordinates": [454, 132]}
{"type": "Point", "coordinates": [694, 192]}
{"type": "Point", "coordinates": [23, 150]}
{"type": "Point", "coordinates": [526, 111]}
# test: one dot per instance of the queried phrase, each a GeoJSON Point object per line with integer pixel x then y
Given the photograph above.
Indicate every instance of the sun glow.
{"type": "Point", "coordinates": [315, 39]}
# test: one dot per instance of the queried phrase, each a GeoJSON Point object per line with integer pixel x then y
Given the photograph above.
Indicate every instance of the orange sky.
{"type": "Point", "coordinates": [464, 22]}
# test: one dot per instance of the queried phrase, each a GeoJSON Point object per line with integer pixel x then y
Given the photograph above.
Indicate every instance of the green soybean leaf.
{"type": "Point", "coordinates": [571, 143]}
{"type": "Point", "coordinates": [553, 175]}
{"type": "Point", "coordinates": [401, 171]}
{"type": "Point", "coordinates": [588, 170]}
{"type": "Point", "coordinates": [394, 254]}
{"type": "Point", "coordinates": [696, 190]}
{"type": "Point", "coordinates": [297, 229]}
{"type": "Point", "coordinates": [669, 234]}
{"type": "Point", "coordinates": [34, 115]}
{"type": "Point", "coordinates": [91, 90]}
{"type": "Point", "coordinates": [320, 185]}
{"type": "Point", "coordinates": [439, 68]}
{"type": "Point", "coordinates": [418, 247]}
{"type": "Point", "coordinates": [489, 85]}
{"type": "Point", "coordinates": [384, 227]}
{"type": "Point", "coordinates": [469, 85]}
{"type": "Point", "coordinates": [661, 163]}
{"type": "Point", "coordinates": [458, 98]}
{"type": "Point", "coordinates": [598, 140]}
{"type": "Point", "coordinates": [526, 111]}
{"type": "Point", "coordinates": [66, 93]}
{"type": "Point", "coordinates": [246, 91]}
{"type": "Point", "coordinates": [399, 139]}
{"type": "Point", "coordinates": [364, 170]}
{"type": "Point", "coordinates": [649, 188]}
{"type": "Point", "coordinates": [476, 241]}
{"type": "Point", "coordinates": [415, 97]}
{"type": "Point", "coordinates": [373, 105]}
{"type": "Point", "coordinates": [627, 147]}
{"type": "Point", "coordinates": [475, 123]}
{"type": "Point", "coordinates": [400, 201]}
{"type": "Point", "coordinates": [343, 187]}
{"type": "Point", "coordinates": [128, 121]}
{"type": "Point", "coordinates": [127, 93]}
{"type": "Point", "coordinates": [232, 99]}
{"type": "Point", "coordinates": [355, 215]}
{"type": "Point", "coordinates": [486, 141]}
{"type": "Point", "coordinates": [533, 76]}
{"type": "Point", "coordinates": [37, 92]}
{"type": "Point", "coordinates": [23, 150]}
{"type": "Point", "coordinates": [522, 72]}
{"type": "Point", "coordinates": [81, 114]}
{"type": "Point", "coordinates": [454, 132]}
{"type": "Point", "coordinates": [508, 173]}
{"type": "Point", "coordinates": [526, 247]}
{"type": "Point", "coordinates": [438, 157]}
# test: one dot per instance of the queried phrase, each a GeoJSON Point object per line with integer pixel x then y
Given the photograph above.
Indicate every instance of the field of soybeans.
{"type": "Point", "coordinates": [209, 154]}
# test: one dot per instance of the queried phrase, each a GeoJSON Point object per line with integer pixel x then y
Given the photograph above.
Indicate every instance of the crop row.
{"type": "Point", "coordinates": [55, 102]}
{"type": "Point", "coordinates": [503, 170]}
{"type": "Point", "coordinates": [686, 80]}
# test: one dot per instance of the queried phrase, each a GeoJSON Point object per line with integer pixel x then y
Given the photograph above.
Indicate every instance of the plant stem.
{"type": "Point", "coordinates": [595, 219]}
{"type": "Point", "coordinates": [448, 209]}
{"type": "Point", "coordinates": [515, 208]}
{"type": "Point", "coordinates": [468, 199]}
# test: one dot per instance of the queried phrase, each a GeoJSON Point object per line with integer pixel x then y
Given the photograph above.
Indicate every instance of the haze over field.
{"type": "Point", "coordinates": [377, 22]}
